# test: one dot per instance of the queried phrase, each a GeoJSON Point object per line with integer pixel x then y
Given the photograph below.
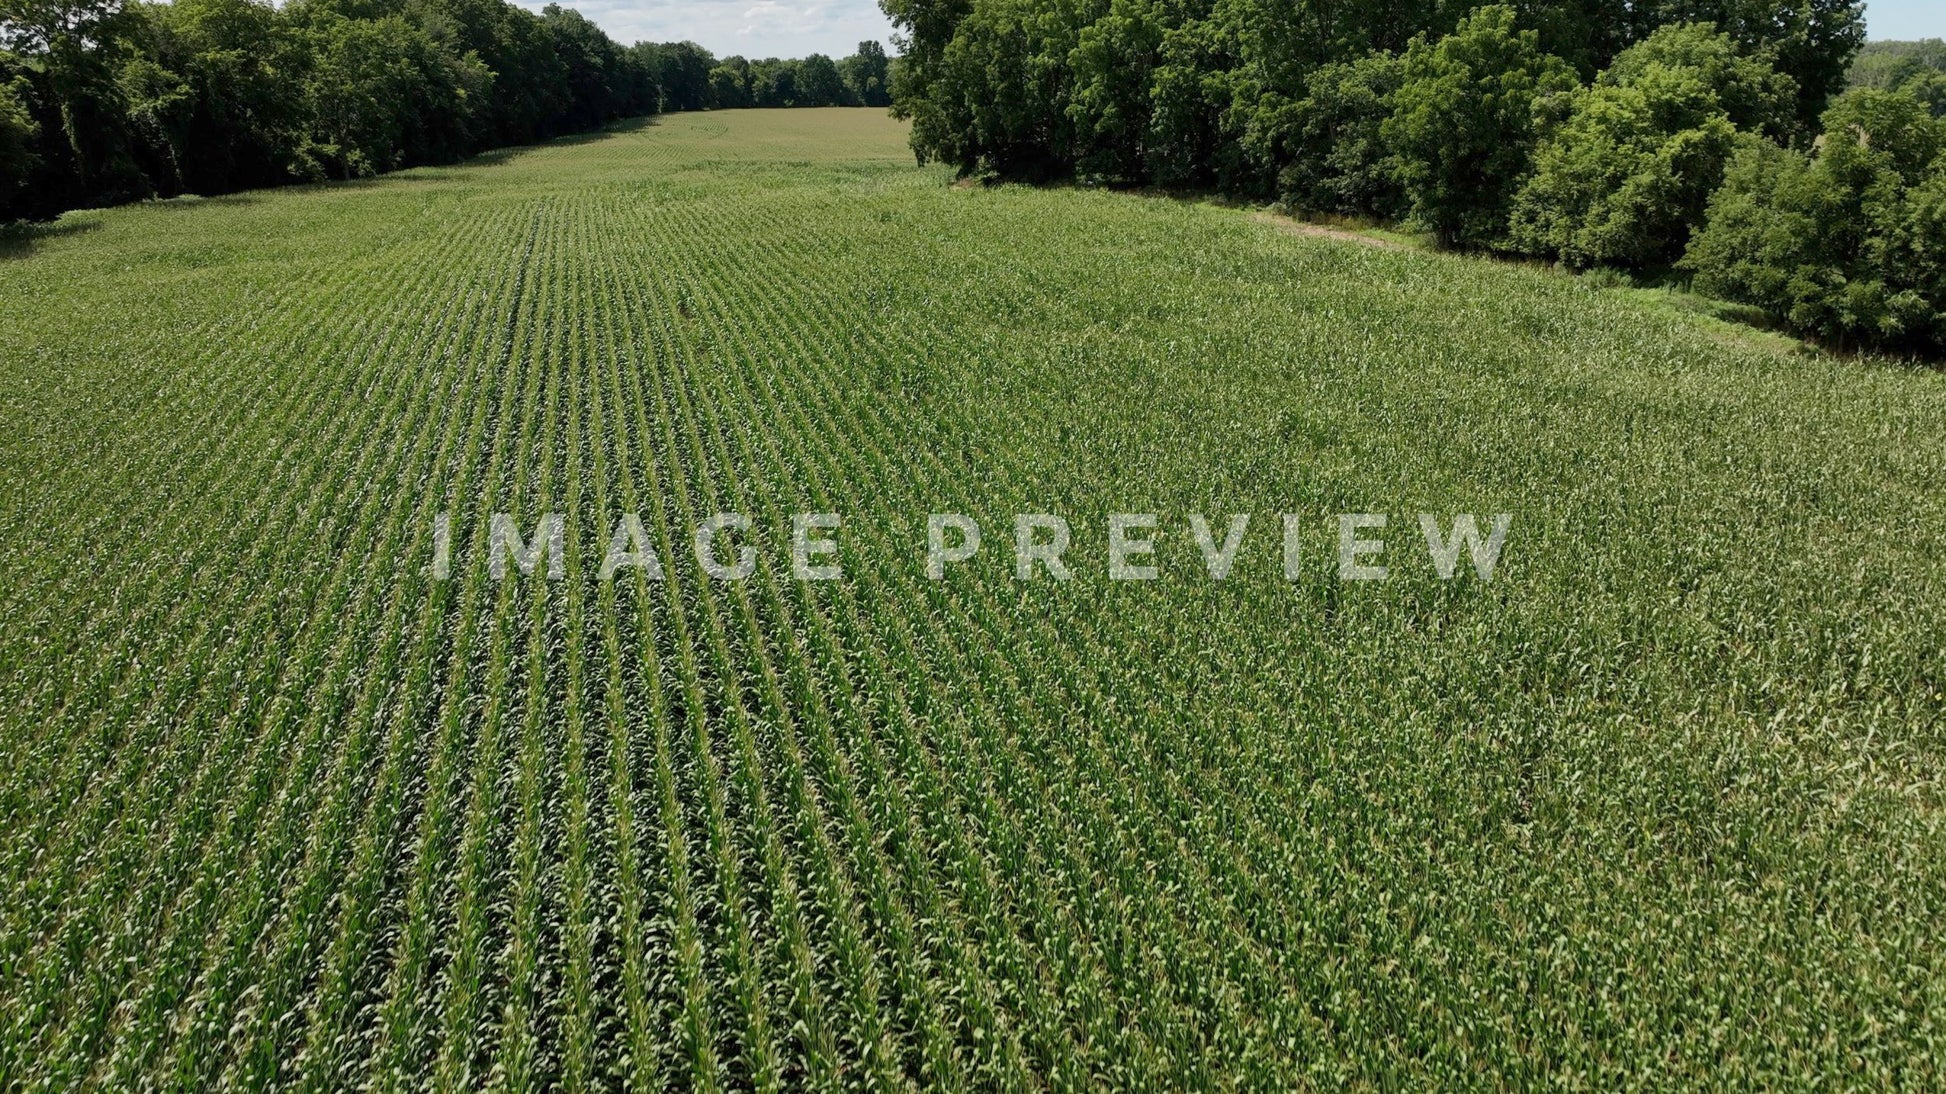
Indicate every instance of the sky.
{"type": "Point", "coordinates": [753, 28]}
{"type": "Point", "coordinates": [1905, 19]}
{"type": "Point", "coordinates": [793, 28]}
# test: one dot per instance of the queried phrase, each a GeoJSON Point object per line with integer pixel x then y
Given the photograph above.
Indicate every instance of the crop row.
{"type": "Point", "coordinates": [286, 811]}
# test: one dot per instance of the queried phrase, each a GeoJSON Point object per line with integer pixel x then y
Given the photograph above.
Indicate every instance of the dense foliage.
{"type": "Point", "coordinates": [1199, 91]}
{"type": "Point", "coordinates": [1331, 142]}
{"type": "Point", "coordinates": [1623, 178]}
{"type": "Point", "coordinates": [1846, 241]}
{"type": "Point", "coordinates": [1915, 67]}
{"type": "Point", "coordinates": [1659, 808]}
{"type": "Point", "coordinates": [104, 101]}
{"type": "Point", "coordinates": [18, 136]}
{"type": "Point", "coordinates": [1595, 135]}
{"type": "Point", "coordinates": [1462, 123]}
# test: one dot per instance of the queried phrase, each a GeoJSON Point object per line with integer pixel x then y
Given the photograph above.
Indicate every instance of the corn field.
{"type": "Point", "coordinates": [1659, 806]}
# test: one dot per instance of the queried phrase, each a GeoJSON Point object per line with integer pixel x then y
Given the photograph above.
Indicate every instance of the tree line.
{"type": "Point", "coordinates": [1712, 141]}
{"type": "Point", "coordinates": [1917, 67]}
{"type": "Point", "coordinates": [106, 101]}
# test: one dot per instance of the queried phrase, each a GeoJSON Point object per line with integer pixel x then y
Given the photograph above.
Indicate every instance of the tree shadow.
{"type": "Point", "coordinates": [196, 201]}
{"type": "Point", "coordinates": [497, 156]}
{"type": "Point", "coordinates": [21, 240]}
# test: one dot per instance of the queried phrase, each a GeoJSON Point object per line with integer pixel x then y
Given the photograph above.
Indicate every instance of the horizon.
{"type": "Point", "coordinates": [757, 29]}
{"type": "Point", "coordinates": [754, 29]}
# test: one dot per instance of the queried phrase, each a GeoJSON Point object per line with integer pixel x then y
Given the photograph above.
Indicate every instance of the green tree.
{"type": "Point", "coordinates": [1742, 84]}
{"type": "Point", "coordinates": [1930, 89]}
{"type": "Point", "coordinates": [529, 98]}
{"type": "Point", "coordinates": [1114, 61]}
{"type": "Point", "coordinates": [1334, 158]}
{"type": "Point", "coordinates": [1918, 68]}
{"type": "Point", "coordinates": [682, 71]}
{"type": "Point", "coordinates": [1844, 242]}
{"type": "Point", "coordinates": [924, 88]}
{"type": "Point", "coordinates": [161, 110]}
{"type": "Point", "coordinates": [80, 46]}
{"type": "Point", "coordinates": [593, 65]}
{"type": "Point", "coordinates": [1627, 176]}
{"type": "Point", "coordinates": [1193, 120]}
{"type": "Point", "coordinates": [1000, 99]}
{"type": "Point", "coordinates": [819, 83]}
{"type": "Point", "coordinates": [381, 95]}
{"type": "Point", "coordinates": [868, 76]}
{"type": "Point", "coordinates": [19, 134]}
{"type": "Point", "coordinates": [773, 82]}
{"type": "Point", "coordinates": [729, 83]}
{"type": "Point", "coordinates": [1810, 41]}
{"type": "Point", "coordinates": [1463, 124]}
{"type": "Point", "coordinates": [134, 98]}
{"type": "Point", "coordinates": [217, 94]}
{"type": "Point", "coordinates": [1206, 92]}
{"type": "Point", "coordinates": [1888, 65]}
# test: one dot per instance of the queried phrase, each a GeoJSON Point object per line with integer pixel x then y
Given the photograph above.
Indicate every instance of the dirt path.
{"type": "Point", "coordinates": [1324, 231]}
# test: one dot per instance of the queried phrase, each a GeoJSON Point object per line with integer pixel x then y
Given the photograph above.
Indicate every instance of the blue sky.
{"type": "Point", "coordinates": [1905, 19]}
{"type": "Point", "coordinates": [793, 28]}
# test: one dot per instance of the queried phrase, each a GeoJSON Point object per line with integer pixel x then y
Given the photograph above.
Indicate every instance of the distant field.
{"type": "Point", "coordinates": [1661, 805]}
